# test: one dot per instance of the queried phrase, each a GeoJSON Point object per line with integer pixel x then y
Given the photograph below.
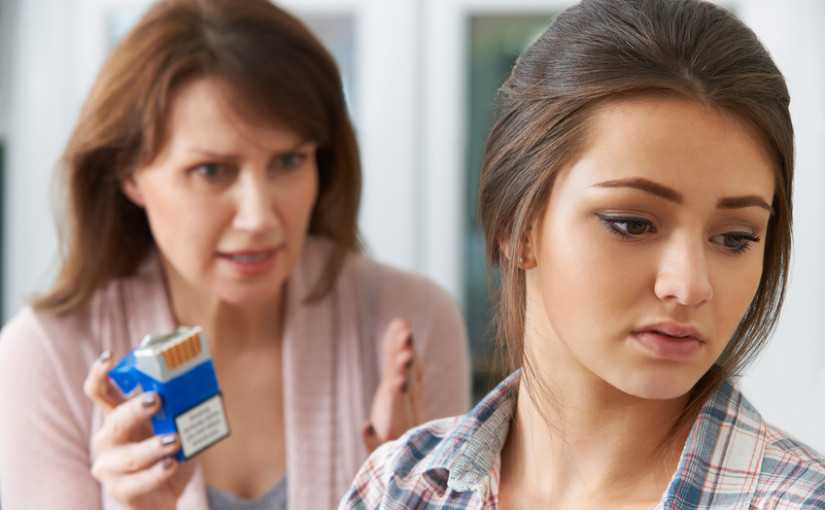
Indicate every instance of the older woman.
{"type": "Point", "coordinates": [213, 179]}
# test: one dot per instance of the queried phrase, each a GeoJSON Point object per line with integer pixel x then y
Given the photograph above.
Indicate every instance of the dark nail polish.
{"type": "Point", "coordinates": [404, 387]}
{"type": "Point", "coordinates": [408, 364]}
{"type": "Point", "coordinates": [370, 430]}
{"type": "Point", "coordinates": [409, 342]}
{"type": "Point", "coordinates": [148, 400]}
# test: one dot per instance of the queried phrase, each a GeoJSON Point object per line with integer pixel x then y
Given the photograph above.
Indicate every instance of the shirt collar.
{"type": "Point", "coordinates": [470, 450]}
{"type": "Point", "coordinates": [723, 453]}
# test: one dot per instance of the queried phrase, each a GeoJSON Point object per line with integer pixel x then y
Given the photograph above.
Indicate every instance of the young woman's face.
{"type": "Point", "coordinates": [650, 249]}
{"type": "Point", "coordinates": [228, 201]}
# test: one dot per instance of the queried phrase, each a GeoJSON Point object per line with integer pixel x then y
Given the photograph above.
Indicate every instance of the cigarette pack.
{"type": "Point", "coordinates": [177, 366]}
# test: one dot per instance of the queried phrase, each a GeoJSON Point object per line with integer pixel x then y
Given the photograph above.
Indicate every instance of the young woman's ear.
{"type": "Point", "coordinates": [129, 187]}
{"type": "Point", "coordinates": [527, 253]}
{"type": "Point", "coordinates": [525, 257]}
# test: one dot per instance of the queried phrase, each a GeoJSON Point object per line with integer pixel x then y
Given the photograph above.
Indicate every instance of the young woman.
{"type": "Point", "coordinates": [213, 179]}
{"type": "Point", "coordinates": [636, 194]}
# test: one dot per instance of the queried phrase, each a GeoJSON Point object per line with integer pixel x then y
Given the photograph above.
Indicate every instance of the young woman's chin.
{"type": "Point", "coordinates": [663, 383]}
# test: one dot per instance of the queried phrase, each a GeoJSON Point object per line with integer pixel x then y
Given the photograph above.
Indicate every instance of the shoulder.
{"type": "Point", "coordinates": [396, 284]}
{"type": "Point", "coordinates": [416, 450]}
{"type": "Point", "coordinates": [792, 472]}
{"type": "Point", "coordinates": [398, 469]}
{"type": "Point", "coordinates": [71, 341]}
{"type": "Point", "coordinates": [369, 276]}
{"type": "Point", "coordinates": [33, 337]}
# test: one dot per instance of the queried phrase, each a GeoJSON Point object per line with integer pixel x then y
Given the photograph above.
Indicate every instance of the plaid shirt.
{"type": "Point", "coordinates": [732, 460]}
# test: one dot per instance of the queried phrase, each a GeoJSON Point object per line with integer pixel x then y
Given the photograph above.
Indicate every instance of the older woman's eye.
{"type": "Point", "coordinates": [290, 160]}
{"type": "Point", "coordinates": [736, 242]}
{"type": "Point", "coordinates": [210, 171]}
{"type": "Point", "coordinates": [627, 227]}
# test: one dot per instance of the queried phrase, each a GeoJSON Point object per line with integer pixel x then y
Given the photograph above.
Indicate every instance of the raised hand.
{"type": "Point", "coordinates": [396, 406]}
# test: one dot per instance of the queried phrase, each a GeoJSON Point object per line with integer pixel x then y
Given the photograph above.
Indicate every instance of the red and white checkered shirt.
{"type": "Point", "coordinates": [732, 460]}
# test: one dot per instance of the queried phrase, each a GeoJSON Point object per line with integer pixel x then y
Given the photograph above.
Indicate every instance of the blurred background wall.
{"type": "Point", "coordinates": [420, 77]}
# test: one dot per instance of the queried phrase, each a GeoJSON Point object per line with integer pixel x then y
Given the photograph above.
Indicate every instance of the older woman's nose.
{"type": "Point", "coordinates": [256, 210]}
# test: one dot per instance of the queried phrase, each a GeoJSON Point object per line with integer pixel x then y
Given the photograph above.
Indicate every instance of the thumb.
{"type": "Point", "coordinates": [370, 437]}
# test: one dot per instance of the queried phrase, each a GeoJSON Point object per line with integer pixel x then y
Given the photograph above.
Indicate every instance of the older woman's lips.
{"type": "Point", "coordinates": [251, 262]}
{"type": "Point", "coordinates": [668, 347]}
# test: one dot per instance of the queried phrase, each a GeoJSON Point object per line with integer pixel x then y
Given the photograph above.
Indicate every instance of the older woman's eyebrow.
{"type": "Point", "coordinates": [231, 156]}
{"type": "Point", "coordinates": [672, 195]}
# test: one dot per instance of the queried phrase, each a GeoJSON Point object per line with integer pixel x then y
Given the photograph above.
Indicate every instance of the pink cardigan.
{"type": "Point", "coordinates": [331, 370]}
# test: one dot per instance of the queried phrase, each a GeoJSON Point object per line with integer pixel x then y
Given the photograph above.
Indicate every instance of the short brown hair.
{"type": "Point", "coordinates": [600, 50]}
{"type": "Point", "coordinates": [272, 67]}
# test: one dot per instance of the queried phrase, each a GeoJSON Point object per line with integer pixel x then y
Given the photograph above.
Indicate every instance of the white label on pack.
{"type": "Point", "coordinates": [202, 426]}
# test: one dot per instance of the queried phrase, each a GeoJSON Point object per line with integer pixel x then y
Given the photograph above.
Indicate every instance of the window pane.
{"type": "Point", "coordinates": [495, 41]}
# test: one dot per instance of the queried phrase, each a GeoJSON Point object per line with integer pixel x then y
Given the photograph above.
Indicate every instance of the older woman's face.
{"type": "Point", "coordinates": [650, 249]}
{"type": "Point", "coordinates": [228, 201]}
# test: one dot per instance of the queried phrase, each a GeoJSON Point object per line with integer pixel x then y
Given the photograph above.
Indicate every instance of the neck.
{"type": "Point", "coordinates": [576, 438]}
{"type": "Point", "coordinates": [590, 444]}
{"type": "Point", "coordinates": [231, 329]}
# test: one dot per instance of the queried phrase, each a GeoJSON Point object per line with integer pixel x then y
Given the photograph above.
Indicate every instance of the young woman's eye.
{"type": "Point", "coordinates": [628, 227]}
{"type": "Point", "coordinates": [736, 242]}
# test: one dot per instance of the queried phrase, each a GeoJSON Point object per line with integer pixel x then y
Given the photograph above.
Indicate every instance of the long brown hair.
{"type": "Point", "coordinates": [600, 50]}
{"type": "Point", "coordinates": [273, 68]}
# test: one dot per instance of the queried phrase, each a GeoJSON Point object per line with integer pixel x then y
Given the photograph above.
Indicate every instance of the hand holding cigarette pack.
{"type": "Point", "coordinates": [177, 366]}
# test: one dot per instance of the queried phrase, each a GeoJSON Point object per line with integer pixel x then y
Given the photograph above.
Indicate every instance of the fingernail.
{"type": "Point", "coordinates": [104, 356]}
{"type": "Point", "coordinates": [404, 387]}
{"type": "Point", "coordinates": [370, 430]}
{"type": "Point", "coordinates": [167, 463]}
{"type": "Point", "coordinates": [409, 342]}
{"type": "Point", "coordinates": [148, 400]}
{"type": "Point", "coordinates": [168, 440]}
{"type": "Point", "coordinates": [408, 364]}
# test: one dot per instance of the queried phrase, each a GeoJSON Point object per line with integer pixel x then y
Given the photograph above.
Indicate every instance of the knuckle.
{"type": "Point", "coordinates": [98, 441]}
{"type": "Point", "coordinates": [131, 465]}
{"type": "Point", "coordinates": [97, 471]}
{"type": "Point", "coordinates": [89, 387]}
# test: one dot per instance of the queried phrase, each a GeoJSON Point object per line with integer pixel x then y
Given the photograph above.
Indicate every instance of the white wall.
{"type": "Point", "coordinates": [787, 383]}
{"type": "Point", "coordinates": [40, 111]}
{"type": "Point", "coordinates": [6, 40]}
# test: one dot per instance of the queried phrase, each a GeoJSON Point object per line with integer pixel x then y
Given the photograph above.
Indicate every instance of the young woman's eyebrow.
{"type": "Point", "coordinates": [672, 195]}
{"type": "Point", "coordinates": [644, 185]}
{"type": "Point", "coordinates": [744, 201]}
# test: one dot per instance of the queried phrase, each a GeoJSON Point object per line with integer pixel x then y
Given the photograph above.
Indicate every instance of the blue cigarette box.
{"type": "Point", "coordinates": [177, 366]}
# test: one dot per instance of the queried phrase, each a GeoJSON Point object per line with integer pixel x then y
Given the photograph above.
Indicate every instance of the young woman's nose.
{"type": "Point", "coordinates": [683, 274]}
{"type": "Point", "coordinates": [255, 207]}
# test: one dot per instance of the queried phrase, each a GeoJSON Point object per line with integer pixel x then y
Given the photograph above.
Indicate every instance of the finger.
{"type": "Point", "coordinates": [414, 392]}
{"type": "Point", "coordinates": [134, 457]}
{"type": "Point", "coordinates": [97, 386]}
{"type": "Point", "coordinates": [127, 421]}
{"type": "Point", "coordinates": [370, 437]}
{"type": "Point", "coordinates": [408, 365]}
{"type": "Point", "coordinates": [409, 394]}
{"type": "Point", "coordinates": [131, 487]}
{"type": "Point", "coordinates": [404, 361]}
{"type": "Point", "coordinates": [394, 337]}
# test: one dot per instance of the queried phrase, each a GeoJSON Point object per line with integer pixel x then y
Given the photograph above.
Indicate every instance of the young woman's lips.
{"type": "Point", "coordinates": [668, 347]}
{"type": "Point", "coordinates": [250, 262]}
